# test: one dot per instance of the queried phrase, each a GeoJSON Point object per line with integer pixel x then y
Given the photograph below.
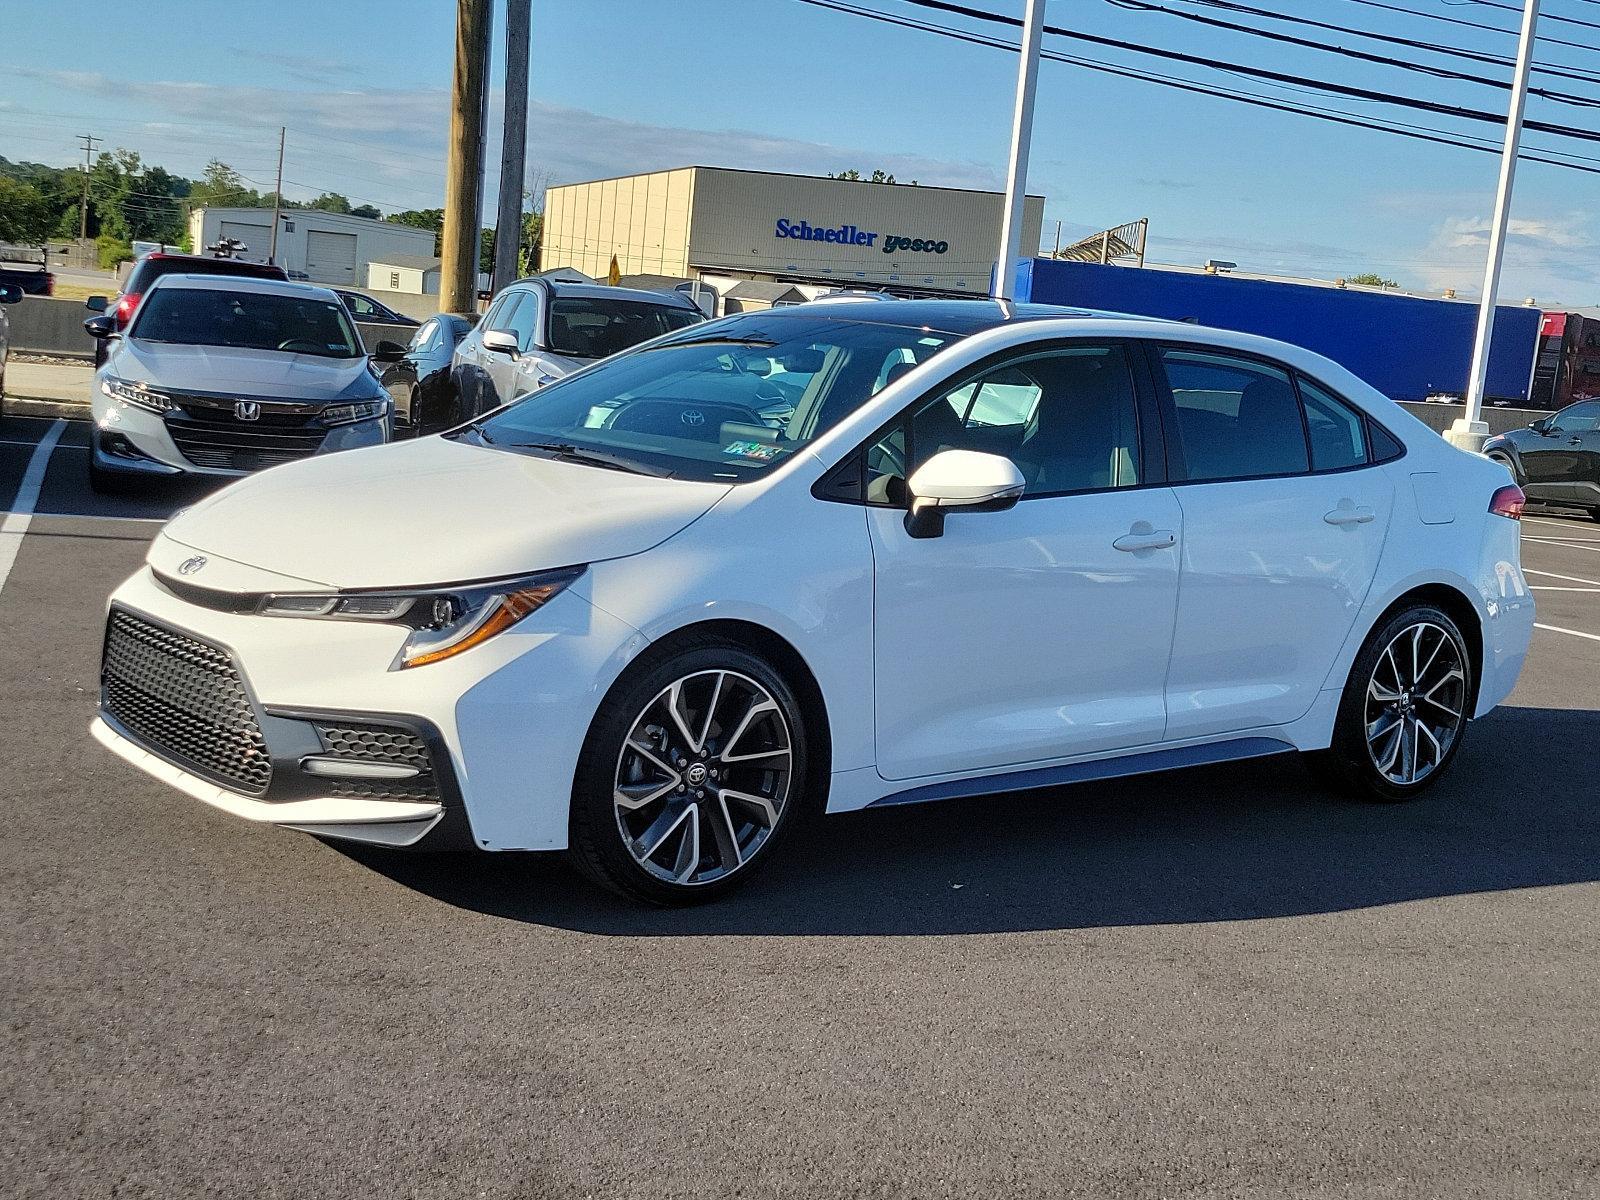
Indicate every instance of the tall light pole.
{"type": "Point", "coordinates": [277, 202]}
{"type": "Point", "coordinates": [1005, 269]}
{"type": "Point", "coordinates": [513, 145]}
{"type": "Point", "coordinates": [463, 176]}
{"type": "Point", "coordinates": [1469, 431]}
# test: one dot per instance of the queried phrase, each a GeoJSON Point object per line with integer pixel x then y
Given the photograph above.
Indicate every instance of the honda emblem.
{"type": "Point", "coordinates": [247, 410]}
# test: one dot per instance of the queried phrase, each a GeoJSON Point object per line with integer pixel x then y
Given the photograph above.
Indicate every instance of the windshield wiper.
{"type": "Point", "coordinates": [593, 458]}
{"type": "Point", "coordinates": [477, 427]}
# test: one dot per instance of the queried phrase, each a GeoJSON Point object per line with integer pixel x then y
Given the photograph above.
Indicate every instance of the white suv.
{"type": "Point", "coordinates": [222, 375]}
{"type": "Point", "coordinates": [994, 547]}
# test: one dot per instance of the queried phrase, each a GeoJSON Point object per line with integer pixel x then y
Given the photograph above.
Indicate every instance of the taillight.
{"type": "Point", "coordinates": [1508, 502]}
{"type": "Point", "coordinates": [126, 303]}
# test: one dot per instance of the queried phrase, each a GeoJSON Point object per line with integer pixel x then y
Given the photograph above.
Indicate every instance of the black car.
{"type": "Point", "coordinates": [1557, 459]}
{"type": "Point", "coordinates": [418, 379]}
{"type": "Point", "coordinates": [368, 311]}
{"type": "Point", "coordinates": [10, 293]}
{"type": "Point", "coordinates": [152, 267]}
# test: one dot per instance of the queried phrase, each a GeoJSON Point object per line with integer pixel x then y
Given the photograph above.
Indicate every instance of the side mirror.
{"type": "Point", "coordinates": [97, 303]}
{"type": "Point", "coordinates": [388, 352]}
{"type": "Point", "coordinates": [10, 293]}
{"type": "Point", "coordinates": [1542, 425]}
{"type": "Point", "coordinates": [501, 342]}
{"type": "Point", "coordinates": [964, 480]}
{"type": "Point", "coordinates": [101, 327]}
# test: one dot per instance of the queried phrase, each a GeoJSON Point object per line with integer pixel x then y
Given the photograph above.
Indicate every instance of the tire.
{"type": "Point", "coordinates": [1396, 735]}
{"type": "Point", "coordinates": [692, 772]}
{"type": "Point", "coordinates": [1594, 514]}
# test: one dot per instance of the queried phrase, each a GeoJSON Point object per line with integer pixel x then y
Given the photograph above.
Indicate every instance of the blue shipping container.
{"type": "Point", "coordinates": [1405, 346]}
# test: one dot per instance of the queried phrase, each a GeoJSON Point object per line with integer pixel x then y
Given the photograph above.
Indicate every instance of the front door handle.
{"type": "Point", "coordinates": [1349, 514]}
{"type": "Point", "coordinates": [1577, 441]}
{"type": "Point", "coordinates": [1146, 539]}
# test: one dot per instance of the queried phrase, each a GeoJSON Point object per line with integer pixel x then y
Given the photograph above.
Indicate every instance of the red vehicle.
{"type": "Point", "coordinates": [162, 262]}
{"type": "Point", "coordinates": [1567, 366]}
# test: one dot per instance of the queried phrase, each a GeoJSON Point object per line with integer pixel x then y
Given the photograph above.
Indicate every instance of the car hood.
{"type": "Point", "coordinates": [268, 374]}
{"type": "Point", "coordinates": [435, 511]}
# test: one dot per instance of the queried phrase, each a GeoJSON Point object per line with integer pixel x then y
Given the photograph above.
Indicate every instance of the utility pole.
{"type": "Point", "coordinates": [513, 145]}
{"type": "Point", "coordinates": [463, 177]}
{"type": "Point", "coordinates": [88, 140]}
{"type": "Point", "coordinates": [277, 203]}
{"type": "Point", "coordinates": [1005, 282]}
{"type": "Point", "coordinates": [1470, 431]}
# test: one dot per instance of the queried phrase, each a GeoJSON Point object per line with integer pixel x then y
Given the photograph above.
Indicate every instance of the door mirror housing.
{"type": "Point", "coordinates": [97, 304]}
{"type": "Point", "coordinates": [1542, 425]}
{"type": "Point", "coordinates": [10, 293]}
{"type": "Point", "coordinates": [500, 342]}
{"type": "Point", "coordinates": [388, 352]}
{"type": "Point", "coordinates": [961, 480]}
{"type": "Point", "coordinates": [101, 327]}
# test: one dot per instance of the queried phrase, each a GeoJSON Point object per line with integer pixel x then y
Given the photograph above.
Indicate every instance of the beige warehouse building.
{"type": "Point", "coordinates": [724, 226]}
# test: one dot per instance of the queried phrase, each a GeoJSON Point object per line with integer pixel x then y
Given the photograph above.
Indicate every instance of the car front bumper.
{"type": "Point", "coordinates": [130, 440]}
{"type": "Point", "coordinates": [503, 723]}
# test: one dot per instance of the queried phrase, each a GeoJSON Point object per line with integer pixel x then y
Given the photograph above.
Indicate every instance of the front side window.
{"type": "Point", "coordinates": [1067, 418]}
{"type": "Point", "coordinates": [426, 337]}
{"type": "Point", "coordinates": [523, 322]}
{"type": "Point", "coordinates": [1579, 418]}
{"type": "Point", "coordinates": [596, 327]}
{"type": "Point", "coordinates": [247, 321]}
{"type": "Point", "coordinates": [725, 402]}
{"type": "Point", "coordinates": [1237, 418]}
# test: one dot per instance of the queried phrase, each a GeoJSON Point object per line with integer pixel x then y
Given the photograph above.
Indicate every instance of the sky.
{"type": "Point", "coordinates": [620, 86]}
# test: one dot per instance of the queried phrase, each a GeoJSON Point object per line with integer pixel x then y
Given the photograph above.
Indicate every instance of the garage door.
{"type": "Point", "coordinates": [331, 257]}
{"type": "Point", "coordinates": [256, 237]}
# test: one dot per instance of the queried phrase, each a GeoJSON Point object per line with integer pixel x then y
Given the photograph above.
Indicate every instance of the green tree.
{"type": "Point", "coordinates": [134, 204]}
{"type": "Point", "coordinates": [223, 187]}
{"type": "Point", "coordinates": [367, 211]}
{"type": "Point", "coordinates": [422, 218]}
{"type": "Point", "coordinates": [1368, 279]}
{"type": "Point", "coordinates": [25, 216]}
{"type": "Point", "coordinates": [875, 177]}
{"type": "Point", "coordinates": [331, 202]}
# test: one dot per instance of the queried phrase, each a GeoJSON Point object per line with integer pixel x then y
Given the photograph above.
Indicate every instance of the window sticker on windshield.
{"type": "Point", "coordinates": [759, 451]}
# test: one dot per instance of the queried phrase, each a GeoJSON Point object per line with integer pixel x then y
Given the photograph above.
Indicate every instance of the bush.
{"type": "Point", "coordinates": [112, 251]}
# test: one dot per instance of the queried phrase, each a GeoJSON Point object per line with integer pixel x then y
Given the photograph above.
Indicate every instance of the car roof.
{"type": "Point", "coordinates": [960, 317]}
{"type": "Point", "coordinates": [245, 283]}
{"type": "Point", "coordinates": [602, 291]}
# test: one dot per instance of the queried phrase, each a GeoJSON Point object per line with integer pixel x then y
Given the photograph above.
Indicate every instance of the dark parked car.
{"type": "Point", "coordinates": [151, 268]}
{"type": "Point", "coordinates": [418, 380]}
{"type": "Point", "coordinates": [1557, 459]}
{"type": "Point", "coordinates": [10, 293]}
{"type": "Point", "coordinates": [368, 311]}
{"type": "Point", "coordinates": [27, 268]}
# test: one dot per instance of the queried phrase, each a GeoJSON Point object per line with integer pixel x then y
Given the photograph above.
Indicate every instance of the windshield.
{"type": "Point", "coordinates": [725, 401]}
{"type": "Point", "coordinates": [587, 327]}
{"type": "Point", "coordinates": [247, 321]}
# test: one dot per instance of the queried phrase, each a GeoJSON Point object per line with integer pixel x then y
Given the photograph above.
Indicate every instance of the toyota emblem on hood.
{"type": "Point", "coordinates": [190, 565]}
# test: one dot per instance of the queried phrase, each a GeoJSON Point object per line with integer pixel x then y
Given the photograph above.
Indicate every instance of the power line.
{"type": "Point", "coordinates": [1315, 112]}
{"type": "Point", "coordinates": [1463, 22]}
{"type": "Point", "coordinates": [1347, 52]}
{"type": "Point", "coordinates": [1392, 39]}
{"type": "Point", "coordinates": [1547, 16]}
{"type": "Point", "coordinates": [1322, 85]}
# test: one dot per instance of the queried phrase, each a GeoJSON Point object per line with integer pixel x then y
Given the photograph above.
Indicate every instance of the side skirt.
{"type": "Point", "coordinates": [1086, 772]}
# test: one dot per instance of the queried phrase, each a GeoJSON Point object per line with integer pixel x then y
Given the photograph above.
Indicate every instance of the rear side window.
{"type": "Point", "coordinates": [1337, 432]}
{"type": "Point", "coordinates": [1237, 418]}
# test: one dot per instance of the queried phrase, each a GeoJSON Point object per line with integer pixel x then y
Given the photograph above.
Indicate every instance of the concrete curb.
{"type": "Point", "coordinates": [27, 406]}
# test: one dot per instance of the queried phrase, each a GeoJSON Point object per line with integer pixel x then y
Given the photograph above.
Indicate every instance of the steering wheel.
{"type": "Point", "coordinates": [300, 346]}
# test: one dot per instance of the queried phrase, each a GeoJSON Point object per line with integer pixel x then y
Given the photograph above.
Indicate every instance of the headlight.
{"type": "Point", "coordinates": [136, 394]}
{"type": "Point", "coordinates": [443, 621]}
{"type": "Point", "coordinates": [343, 414]}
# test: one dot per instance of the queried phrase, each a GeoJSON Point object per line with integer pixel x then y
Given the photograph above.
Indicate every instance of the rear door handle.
{"type": "Point", "coordinates": [1349, 514]}
{"type": "Point", "coordinates": [1577, 441]}
{"type": "Point", "coordinates": [1156, 539]}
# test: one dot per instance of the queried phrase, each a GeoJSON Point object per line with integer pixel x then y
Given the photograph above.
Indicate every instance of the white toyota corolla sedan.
{"type": "Point", "coordinates": [992, 548]}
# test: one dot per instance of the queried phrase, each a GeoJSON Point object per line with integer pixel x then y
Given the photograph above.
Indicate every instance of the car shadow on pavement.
{"type": "Point", "coordinates": [1256, 839]}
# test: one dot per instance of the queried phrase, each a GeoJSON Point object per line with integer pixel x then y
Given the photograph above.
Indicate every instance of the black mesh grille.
{"type": "Point", "coordinates": [210, 438]}
{"type": "Point", "coordinates": [184, 700]}
{"type": "Point", "coordinates": [395, 744]}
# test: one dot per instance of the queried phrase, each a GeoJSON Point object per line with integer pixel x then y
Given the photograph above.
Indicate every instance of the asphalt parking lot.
{"type": "Point", "coordinates": [1219, 983]}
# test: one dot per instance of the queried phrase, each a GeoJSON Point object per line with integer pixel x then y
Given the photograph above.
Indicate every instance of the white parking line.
{"type": "Point", "coordinates": [1572, 524]}
{"type": "Point", "coordinates": [1593, 637]}
{"type": "Point", "coordinates": [1548, 587]}
{"type": "Point", "coordinates": [1553, 575]}
{"type": "Point", "coordinates": [15, 527]}
{"type": "Point", "coordinates": [1591, 548]}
